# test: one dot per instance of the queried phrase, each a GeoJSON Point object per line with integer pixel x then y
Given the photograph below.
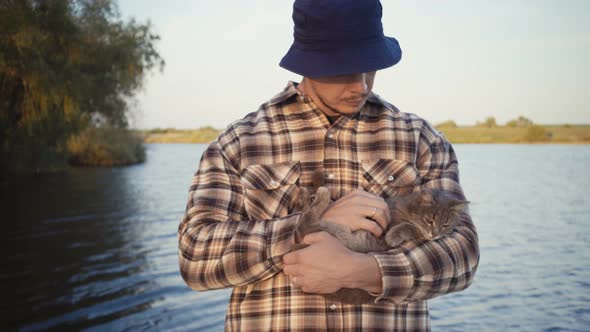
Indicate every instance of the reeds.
{"type": "Point", "coordinates": [105, 146]}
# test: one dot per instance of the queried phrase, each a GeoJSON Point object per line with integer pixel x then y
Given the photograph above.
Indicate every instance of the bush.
{"type": "Point", "coordinates": [490, 122]}
{"type": "Point", "coordinates": [105, 146]}
{"type": "Point", "coordinates": [521, 122]}
{"type": "Point", "coordinates": [536, 133]}
{"type": "Point", "coordinates": [447, 124]}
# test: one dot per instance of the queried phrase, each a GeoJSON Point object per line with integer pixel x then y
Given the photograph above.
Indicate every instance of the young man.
{"type": "Point", "coordinates": [238, 227]}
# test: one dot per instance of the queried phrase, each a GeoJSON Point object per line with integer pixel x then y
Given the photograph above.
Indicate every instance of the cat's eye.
{"type": "Point", "coordinates": [429, 220]}
{"type": "Point", "coordinates": [446, 225]}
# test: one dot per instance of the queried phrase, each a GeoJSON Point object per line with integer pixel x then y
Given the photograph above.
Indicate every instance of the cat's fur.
{"type": "Point", "coordinates": [421, 215]}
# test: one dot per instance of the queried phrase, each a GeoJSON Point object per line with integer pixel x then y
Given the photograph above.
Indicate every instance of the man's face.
{"type": "Point", "coordinates": [343, 94]}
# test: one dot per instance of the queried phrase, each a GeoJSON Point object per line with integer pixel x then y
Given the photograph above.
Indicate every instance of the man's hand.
{"type": "Point", "coordinates": [326, 266]}
{"type": "Point", "coordinates": [360, 210]}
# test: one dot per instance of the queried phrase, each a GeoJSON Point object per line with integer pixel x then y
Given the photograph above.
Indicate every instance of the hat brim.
{"type": "Point", "coordinates": [363, 58]}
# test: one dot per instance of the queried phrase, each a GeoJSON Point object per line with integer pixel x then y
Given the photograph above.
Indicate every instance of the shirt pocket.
{"type": "Point", "coordinates": [271, 191]}
{"type": "Point", "coordinates": [389, 177]}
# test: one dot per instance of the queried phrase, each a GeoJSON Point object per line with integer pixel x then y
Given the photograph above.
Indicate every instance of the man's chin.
{"type": "Point", "coordinates": [346, 110]}
{"type": "Point", "coordinates": [350, 110]}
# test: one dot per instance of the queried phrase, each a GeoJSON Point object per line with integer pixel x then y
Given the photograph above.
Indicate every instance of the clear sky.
{"type": "Point", "coordinates": [463, 60]}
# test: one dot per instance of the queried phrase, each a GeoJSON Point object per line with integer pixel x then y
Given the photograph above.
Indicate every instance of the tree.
{"type": "Point", "coordinates": [490, 122]}
{"type": "Point", "coordinates": [61, 63]}
{"type": "Point", "coordinates": [447, 124]}
{"type": "Point", "coordinates": [521, 122]}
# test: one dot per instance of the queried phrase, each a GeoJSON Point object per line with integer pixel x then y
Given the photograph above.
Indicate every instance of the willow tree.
{"type": "Point", "coordinates": [63, 63]}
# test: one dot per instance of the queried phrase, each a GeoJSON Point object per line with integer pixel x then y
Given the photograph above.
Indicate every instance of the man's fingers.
{"type": "Point", "coordinates": [290, 270]}
{"type": "Point", "coordinates": [314, 237]}
{"type": "Point", "coordinates": [354, 195]}
{"type": "Point", "coordinates": [371, 226]}
{"type": "Point", "coordinates": [376, 212]}
{"type": "Point", "coordinates": [294, 256]}
{"type": "Point", "coordinates": [291, 258]}
{"type": "Point", "coordinates": [381, 217]}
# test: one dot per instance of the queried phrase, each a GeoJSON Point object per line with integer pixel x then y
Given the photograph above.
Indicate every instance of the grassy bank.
{"type": "Point", "coordinates": [571, 134]}
{"type": "Point", "coordinates": [171, 135]}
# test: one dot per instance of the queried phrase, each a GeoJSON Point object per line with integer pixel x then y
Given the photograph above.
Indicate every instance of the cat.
{"type": "Point", "coordinates": [427, 214]}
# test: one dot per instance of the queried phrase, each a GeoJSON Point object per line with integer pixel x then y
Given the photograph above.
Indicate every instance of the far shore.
{"type": "Point", "coordinates": [549, 134]}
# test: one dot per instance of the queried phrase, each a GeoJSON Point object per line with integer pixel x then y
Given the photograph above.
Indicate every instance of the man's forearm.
{"type": "Point", "coordinates": [209, 251]}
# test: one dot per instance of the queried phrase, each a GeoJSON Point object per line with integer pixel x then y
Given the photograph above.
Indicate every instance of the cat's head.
{"type": "Point", "coordinates": [435, 212]}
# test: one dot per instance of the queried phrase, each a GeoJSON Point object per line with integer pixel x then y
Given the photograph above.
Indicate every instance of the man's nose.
{"type": "Point", "coordinates": [360, 83]}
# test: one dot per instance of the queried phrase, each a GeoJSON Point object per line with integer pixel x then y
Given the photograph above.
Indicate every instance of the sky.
{"type": "Point", "coordinates": [463, 60]}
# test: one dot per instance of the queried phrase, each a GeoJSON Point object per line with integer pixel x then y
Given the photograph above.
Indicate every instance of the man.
{"type": "Point", "coordinates": [238, 227]}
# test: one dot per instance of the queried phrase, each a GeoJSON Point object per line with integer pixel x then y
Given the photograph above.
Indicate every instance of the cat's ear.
{"type": "Point", "coordinates": [427, 196]}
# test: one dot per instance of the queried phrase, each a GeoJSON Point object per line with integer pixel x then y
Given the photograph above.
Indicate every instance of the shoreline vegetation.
{"type": "Point", "coordinates": [105, 147]}
{"type": "Point", "coordinates": [475, 134]}
{"type": "Point", "coordinates": [69, 74]}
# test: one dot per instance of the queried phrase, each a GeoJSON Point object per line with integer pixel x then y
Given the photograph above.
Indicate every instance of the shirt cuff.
{"type": "Point", "coordinates": [281, 237]}
{"type": "Point", "coordinates": [397, 276]}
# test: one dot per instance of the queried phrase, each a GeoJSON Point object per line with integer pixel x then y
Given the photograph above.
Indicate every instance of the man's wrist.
{"type": "Point", "coordinates": [367, 274]}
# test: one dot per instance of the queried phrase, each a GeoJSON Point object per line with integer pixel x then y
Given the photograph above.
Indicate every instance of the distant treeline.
{"type": "Point", "coordinates": [68, 69]}
{"type": "Point", "coordinates": [519, 130]}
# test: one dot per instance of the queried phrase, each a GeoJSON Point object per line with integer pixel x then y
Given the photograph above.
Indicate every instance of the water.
{"type": "Point", "coordinates": [96, 249]}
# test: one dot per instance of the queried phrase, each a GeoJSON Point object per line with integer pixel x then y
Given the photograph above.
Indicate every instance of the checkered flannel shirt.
{"type": "Point", "coordinates": [241, 211]}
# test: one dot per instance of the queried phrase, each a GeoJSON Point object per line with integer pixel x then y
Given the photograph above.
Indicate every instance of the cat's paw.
{"type": "Point", "coordinates": [310, 220]}
{"type": "Point", "coordinates": [398, 234]}
{"type": "Point", "coordinates": [321, 201]}
{"type": "Point", "coordinates": [304, 199]}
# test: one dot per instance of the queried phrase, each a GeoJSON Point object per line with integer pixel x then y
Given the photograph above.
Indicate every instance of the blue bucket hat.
{"type": "Point", "coordinates": [338, 37]}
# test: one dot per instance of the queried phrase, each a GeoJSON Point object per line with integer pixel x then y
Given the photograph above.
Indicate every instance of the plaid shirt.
{"type": "Point", "coordinates": [241, 212]}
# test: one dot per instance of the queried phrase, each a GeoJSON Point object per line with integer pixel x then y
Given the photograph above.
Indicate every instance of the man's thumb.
{"type": "Point", "coordinates": [312, 238]}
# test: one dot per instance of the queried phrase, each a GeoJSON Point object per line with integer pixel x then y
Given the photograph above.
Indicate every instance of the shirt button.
{"type": "Point", "coordinates": [330, 176]}
{"type": "Point", "coordinates": [273, 182]}
{"type": "Point", "coordinates": [390, 178]}
{"type": "Point", "coordinates": [330, 135]}
{"type": "Point", "coordinates": [333, 307]}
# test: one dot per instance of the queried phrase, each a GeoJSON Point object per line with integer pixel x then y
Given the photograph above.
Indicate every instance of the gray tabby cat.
{"type": "Point", "coordinates": [421, 215]}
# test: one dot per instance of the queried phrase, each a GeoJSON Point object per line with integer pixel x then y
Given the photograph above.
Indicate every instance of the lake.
{"type": "Point", "coordinates": [96, 248]}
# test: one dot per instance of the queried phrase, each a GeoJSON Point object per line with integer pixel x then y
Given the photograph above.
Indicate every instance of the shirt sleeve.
{"type": "Point", "coordinates": [421, 270]}
{"type": "Point", "coordinates": [218, 246]}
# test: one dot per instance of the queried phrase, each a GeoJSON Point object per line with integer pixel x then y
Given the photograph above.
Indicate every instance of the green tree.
{"type": "Point", "coordinates": [63, 63]}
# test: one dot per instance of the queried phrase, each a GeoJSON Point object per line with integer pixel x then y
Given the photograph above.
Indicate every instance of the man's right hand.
{"type": "Point", "coordinates": [360, 210]}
